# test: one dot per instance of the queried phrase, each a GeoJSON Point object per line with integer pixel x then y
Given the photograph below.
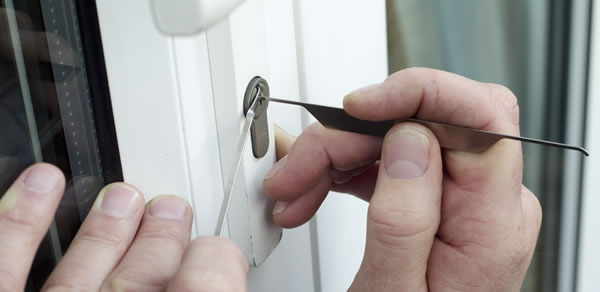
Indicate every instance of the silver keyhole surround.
{"type": "Point", "coordinates": [259, 131]}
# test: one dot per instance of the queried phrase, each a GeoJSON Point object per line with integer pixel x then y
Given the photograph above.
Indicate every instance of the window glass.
{"type": "Point", "coordinates": [521, 45]}
{"type": "Point", "coordinates": [49, 107]}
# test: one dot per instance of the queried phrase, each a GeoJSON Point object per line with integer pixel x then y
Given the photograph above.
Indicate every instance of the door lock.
{"type": "Point", "coordinates": [259, 131]}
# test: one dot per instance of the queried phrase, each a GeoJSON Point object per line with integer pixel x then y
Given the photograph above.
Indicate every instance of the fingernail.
{"type": "Point", "coordinates": [365, 90]}
{"type": "Point", "coordinates": [168, 207]}
{"type": "Point", "coordinates": [340, 177]}
{"type": "Point", "coordinates": [41, 179]}
{"type": "Point", "coordinates": [120, 201]}
{"type": "Point", "coordinates": [280, 206]}
{"type": "Point", "coordinates": [276, 168]}
{"type": "Point", "coordinates": [406, 154]}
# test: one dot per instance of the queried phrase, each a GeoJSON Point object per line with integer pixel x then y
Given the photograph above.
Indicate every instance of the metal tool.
{"type": "Point", "coordinates": [449, 136]}
{"type": "Point", "coordinates": [250, 115]}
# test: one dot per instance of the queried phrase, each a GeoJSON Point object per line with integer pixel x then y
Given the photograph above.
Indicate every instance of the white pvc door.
{"type": "Point", "coordinates": [177, 107]}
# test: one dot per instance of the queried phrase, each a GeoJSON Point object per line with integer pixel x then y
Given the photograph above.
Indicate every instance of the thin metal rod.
{"type": "Point", "coordinates": [380, 128]}
{"type": "Point", "coordinates": [233, 174]}
{"type": "Point", "coordinates": [545, 143]}
{"type": "Point", "coordinates": [518, 138]}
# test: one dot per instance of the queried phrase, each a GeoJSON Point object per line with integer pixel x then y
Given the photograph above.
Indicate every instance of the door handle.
{"type": "Point", "coordinates": [186, 17]}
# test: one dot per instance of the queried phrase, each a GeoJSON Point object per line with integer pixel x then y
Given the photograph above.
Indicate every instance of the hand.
{"type": "Point", "coordinates": [122, 245]}
{"type": "Point", "coordinates": [438, 220]}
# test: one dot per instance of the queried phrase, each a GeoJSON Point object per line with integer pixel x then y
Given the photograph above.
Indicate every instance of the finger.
{"type": "Point", "coordinates": [101, 241]}
{"type": "Point", "coordinates": [294, 213]}
{"type": "Point", "coordinates": [495, 175]}
{"type": "Point", "coordinates": [26, 211]}
{"type": "Point", "coordinates": [283, 142]}
{"type": "Point", "coordinates": [404, 212]}
{"type": "Point", "coordinates": [211, 264]}
{"type": "Point", "coordinates": [361, 185]}
{"type": "Point", "coordinates": [155, 254]}
{"type": "Point", "coordinates": [291, 214]}
{"type": "Point", "coordinates": [317, 151]}
{"type": "Point", "coordinates": [337, 159]}
{"type": "Point", "coordinates": [437, 96]}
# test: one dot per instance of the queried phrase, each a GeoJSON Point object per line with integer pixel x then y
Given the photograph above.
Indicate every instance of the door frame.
{"type": "Point", "coordinates": [589, 237]}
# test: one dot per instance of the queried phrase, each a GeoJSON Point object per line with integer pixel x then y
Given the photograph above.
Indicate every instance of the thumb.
{"type": "Point", "coordinates": [404, 213]}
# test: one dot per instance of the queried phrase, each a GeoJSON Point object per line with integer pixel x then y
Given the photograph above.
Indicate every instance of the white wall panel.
{"type": "Point", "coordinates": [342, 45]}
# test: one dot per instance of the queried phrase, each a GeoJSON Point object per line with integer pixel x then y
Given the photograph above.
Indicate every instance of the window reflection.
{"type": "Point", "coordinates": [47, 113]}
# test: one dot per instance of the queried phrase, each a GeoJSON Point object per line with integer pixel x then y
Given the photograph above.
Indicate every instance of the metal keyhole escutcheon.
{"type": "Point", "coordinates": [259, 131]}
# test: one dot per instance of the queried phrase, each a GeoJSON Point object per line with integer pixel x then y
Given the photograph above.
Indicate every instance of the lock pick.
{"type": "Point", "coordinates": [449, 136]}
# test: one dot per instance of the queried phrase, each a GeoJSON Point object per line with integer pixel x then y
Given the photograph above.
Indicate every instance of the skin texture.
{"type": "Point", "coordinates": [457, 222]}
{"type": "Point", "coordinates": [124, 244]}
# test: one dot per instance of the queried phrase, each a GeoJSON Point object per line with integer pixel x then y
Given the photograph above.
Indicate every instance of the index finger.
{"type": "Point", "coordinates": [437, 96]}
{"type": "Point", "coordinates": [26, 211]}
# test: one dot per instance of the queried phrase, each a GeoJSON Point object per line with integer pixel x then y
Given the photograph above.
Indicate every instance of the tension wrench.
{"type": "Point", "coordinates": [239, 154]}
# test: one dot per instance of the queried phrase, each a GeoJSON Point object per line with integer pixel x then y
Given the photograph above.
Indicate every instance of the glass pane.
{"type": "Point", "coordinates": [519, 44]}
{"type": "Point", "coordinates": [47, 112]}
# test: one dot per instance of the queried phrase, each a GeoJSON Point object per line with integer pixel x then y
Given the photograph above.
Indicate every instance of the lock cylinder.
{"type": "Point", "coordinates": [259, 130]}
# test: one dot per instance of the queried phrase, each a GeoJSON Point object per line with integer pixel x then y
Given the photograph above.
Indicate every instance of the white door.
{"type": "Point", "coordinates": [177, 104]}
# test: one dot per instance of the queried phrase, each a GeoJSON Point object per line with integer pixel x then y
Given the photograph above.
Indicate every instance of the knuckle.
{"type": "Point", "coordinates": [417, 75]}
{"type": "Point", "coordinates": [17, 221]}
{"type": "Point", "coordinates": [537, 209]}
{"type": "Point", "coordinates": [314, 130]}
{"type": "Point", "coordinates": [313, 134]}
{"type": "Point", "coordinates": [533, 209]}
{"type": "Point", "coordinates": [391, 226]}
{"type": "Point", "coordinates": [119, 283]}
{"type": "Point", "coordinates": [412, 72]}
{"type": "Point", "coordinates": [531, 201]}
{"type": "Point", "coordinates": [416, 127]}
{"type": "Point", "coordinates": [100, 238]}
{"type": "Point", "coordinates": [507, 99]}
{"type": "Point", "coordinates": [164, 234]}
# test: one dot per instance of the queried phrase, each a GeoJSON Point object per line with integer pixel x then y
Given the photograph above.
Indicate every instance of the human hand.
{"type": "Point", "coordinates": [122, 244]}
{"type": "Point", "coordinates": [438, 220]}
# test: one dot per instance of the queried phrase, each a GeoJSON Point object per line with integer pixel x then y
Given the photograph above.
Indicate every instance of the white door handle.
{"type": "Point", "coordinates": [185, 17]}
